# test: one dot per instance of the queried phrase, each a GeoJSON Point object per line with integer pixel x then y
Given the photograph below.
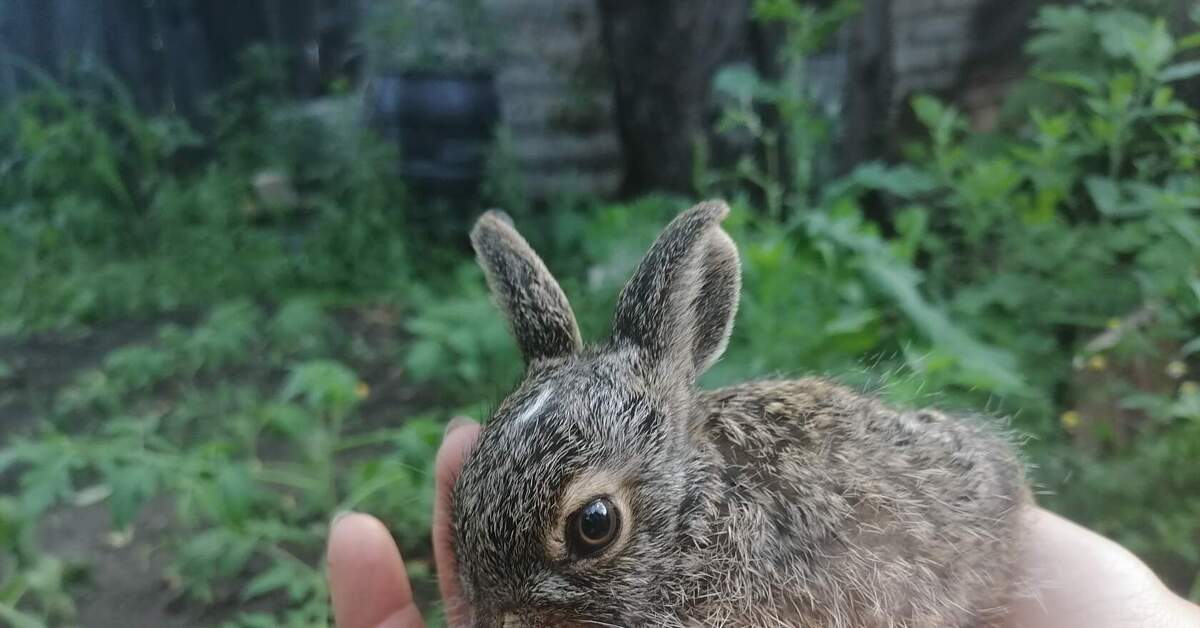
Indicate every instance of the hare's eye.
{"type": "Point", "coordinates": [593, 527]}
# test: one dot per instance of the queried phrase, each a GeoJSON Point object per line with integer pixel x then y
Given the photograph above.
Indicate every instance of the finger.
{"type": "Point", "coordinates": [367, 581]}
{"type": "Point", "coordinates": [460, 437]}
{"type": "Point", "coordinates": [1081, 579]}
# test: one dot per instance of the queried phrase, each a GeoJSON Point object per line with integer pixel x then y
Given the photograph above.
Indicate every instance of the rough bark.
{"type": "Point", "coordinates": [663, 56]}
{"type": "Point", "coordinates": [867, 100]}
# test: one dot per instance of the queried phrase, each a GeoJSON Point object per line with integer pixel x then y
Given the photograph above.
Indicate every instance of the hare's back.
{"type": "Point", "coordinates": [884, 512]}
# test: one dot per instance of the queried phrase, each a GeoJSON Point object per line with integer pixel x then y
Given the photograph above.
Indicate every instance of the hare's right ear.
{"type": "Point", "coordinates": [678, 308]}
{"type": "Point", "coordinates": [537, 310]}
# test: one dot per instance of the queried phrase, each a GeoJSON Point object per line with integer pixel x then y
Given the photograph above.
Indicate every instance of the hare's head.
{"type": "Point", "coordinates": [580, 502]}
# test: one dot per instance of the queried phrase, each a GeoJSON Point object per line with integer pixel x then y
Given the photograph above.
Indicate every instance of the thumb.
{"type": "Point", "coordinates": [367, 581]}
{"type": "Point", "coordinates": [461, 435]}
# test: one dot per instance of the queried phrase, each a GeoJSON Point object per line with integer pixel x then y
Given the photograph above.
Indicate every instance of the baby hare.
{"type": "Point", "coordinates": [607, 490]}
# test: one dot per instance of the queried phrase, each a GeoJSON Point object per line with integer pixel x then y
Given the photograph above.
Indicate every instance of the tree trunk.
{"type": "Point", "coordinates": [868, 89]}
{"type": "Point", "coordinates": [663, 55]}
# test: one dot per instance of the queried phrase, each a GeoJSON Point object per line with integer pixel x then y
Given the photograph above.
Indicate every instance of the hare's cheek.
{"type": "Point", "coordinates": [538, 620]}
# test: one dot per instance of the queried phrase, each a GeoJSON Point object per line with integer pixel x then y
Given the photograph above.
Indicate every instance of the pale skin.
{"type": "Point", "coordinates": [1082, 580]}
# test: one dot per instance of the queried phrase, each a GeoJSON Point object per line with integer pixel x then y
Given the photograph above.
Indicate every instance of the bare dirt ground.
{"type": "Point", "coordinates": [123, 581]}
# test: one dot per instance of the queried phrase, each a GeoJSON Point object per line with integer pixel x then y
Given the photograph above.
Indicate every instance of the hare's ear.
{"type": "Point", "coordinates": [536, 308]}
{"type": "Point", "coordinates": [678, 308]}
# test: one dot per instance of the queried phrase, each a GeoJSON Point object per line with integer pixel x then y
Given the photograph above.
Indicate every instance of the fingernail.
{"type": "Point", "coordinates": [455, 423]}
{"type": "Point", "coordinates": [338, 516]}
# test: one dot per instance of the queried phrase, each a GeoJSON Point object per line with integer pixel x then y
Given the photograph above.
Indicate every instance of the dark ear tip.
{"type": "Point", "coordinates": [491, 221]}
{"type": "Point", "coordinates": [712, 210]}
{"type": "Point", "coordinates": [498, 215]}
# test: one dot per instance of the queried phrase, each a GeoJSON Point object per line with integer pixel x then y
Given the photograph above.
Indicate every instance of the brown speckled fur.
{"type": "Point", "coordinates": [908, 517]}
{"type": "Point", "coordinates": [773, 503]}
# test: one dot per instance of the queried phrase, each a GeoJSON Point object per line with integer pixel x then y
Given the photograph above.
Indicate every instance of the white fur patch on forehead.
{"type": "Point", "coordinates": [534, 407]}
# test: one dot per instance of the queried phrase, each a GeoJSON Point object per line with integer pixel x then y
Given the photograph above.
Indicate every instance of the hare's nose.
{"type": "Point", "coordinates": [511, 620]}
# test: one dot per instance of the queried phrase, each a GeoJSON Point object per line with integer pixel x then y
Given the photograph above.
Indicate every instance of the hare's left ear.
{"type": "Point", "coordinates": [678, 308]}
{"type": "Point", "coordinates": [537, 310]}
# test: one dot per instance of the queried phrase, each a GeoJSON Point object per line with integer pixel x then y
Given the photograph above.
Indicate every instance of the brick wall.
{"type": "Point", "coordinates": [556, 95]}
{"type": "Point", "coordinates": [931, 41]}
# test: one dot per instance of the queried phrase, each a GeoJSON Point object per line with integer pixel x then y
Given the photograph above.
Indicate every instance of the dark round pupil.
{"type": "Point", "coordinates": [595, 522]}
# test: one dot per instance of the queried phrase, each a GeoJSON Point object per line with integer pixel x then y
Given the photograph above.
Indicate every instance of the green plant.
{"type": "Point", "coordinates": [783, 117]}
{"type": "Point", "coordinates": [32, 585]}
{"type": "Point", "coordinates": [106, 212]}
{"type": "Point", "coordinates": [1070, 237]}
{"type": "Point", "coordinates": [1046, 270]}
{"type": "Point", "coordinates": [504, 184]}
{"type": "Point", "coordinates": [302, 328]}
{"type": "Point", "coordinates": [251, 479]}
{"type": "Point", "coordinates": [458, 342]}
{"type": "Point", "coordinates": [442, 35]}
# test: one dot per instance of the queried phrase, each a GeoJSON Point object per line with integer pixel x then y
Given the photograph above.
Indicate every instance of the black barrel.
{"type": "Point", "coordinates": [444, 125]}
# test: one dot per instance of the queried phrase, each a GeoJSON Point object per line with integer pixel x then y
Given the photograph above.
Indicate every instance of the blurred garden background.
{"type": "Point", "coordinates": [236, 294]}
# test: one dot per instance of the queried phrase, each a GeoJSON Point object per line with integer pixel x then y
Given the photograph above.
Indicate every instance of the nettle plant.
{"type": "Point", "coordinates": [1049, 269]}
{"type": "Point", "coordinates": [1071, 237]}
{"type": "Point", "coordinates": [250, 480]}
{"type": "Point", "coordinates": [855, 298]}
{"type": "Point", "coordinates": [786, 120]}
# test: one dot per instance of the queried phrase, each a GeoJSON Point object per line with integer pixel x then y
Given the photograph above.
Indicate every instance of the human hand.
{"type": "Point", "coordinates": [367, 581]}
{"type": "Point", "coordinates": [1077, 578]}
